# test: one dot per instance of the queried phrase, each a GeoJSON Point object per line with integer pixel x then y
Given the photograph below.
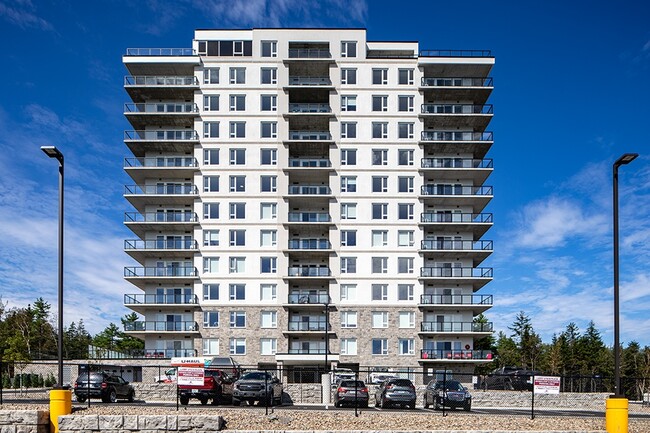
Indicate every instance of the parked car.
{"type": "Point", "coordinates": [395, 392]}
{"type": "Point", "coordinates": [257, 386]}
{"type": "Point", "coordinates": [168, 377]}
{"type": "Point", "coordinates": [336, 376]}
{"type": "Point", "coordinates": [450, 394]}
{"type": "Point", "coordinates": [353, 392]}
{"type": "Point", "coordinates": [227, 365]}
{"type": "Point", "coordinates": [377, 377]}
{"type": "Point", "coordinates": [106, 386]}
{"type": "Point", "coordinates": [509, 378]}
{"type": "Point", "coordinates": [217, 386]}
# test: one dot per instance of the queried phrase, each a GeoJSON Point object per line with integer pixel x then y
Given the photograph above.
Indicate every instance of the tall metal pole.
{"type": "Point", "coordinates": [327, 334]}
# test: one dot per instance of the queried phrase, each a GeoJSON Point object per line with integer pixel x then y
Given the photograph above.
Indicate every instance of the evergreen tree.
{"type": "Point", "coordinates": [528, 342]}
{"type": "Point", "coordinates": [507, 353]}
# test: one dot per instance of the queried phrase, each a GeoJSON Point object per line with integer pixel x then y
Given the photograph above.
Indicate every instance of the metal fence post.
{"type": "Point", "coordinates": [266, 393]}
{"type": "Point", "coordinates": [532, 398]}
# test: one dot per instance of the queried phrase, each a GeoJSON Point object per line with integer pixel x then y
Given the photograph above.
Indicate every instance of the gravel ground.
{"type": "Point", "coordinates": [287, 419]}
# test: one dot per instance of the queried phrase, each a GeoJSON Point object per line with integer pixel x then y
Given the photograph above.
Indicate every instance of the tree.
{"type": "Point", "coordinates": [127, 343]}
{"type": "Point", "coordinates": [528, 342]}
{"type": "Point", "coordinates": [76, 340]}
{"type": "Point", "coordinates": [507, 353]}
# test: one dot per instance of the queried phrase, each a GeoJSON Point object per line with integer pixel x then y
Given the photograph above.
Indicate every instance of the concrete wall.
{"type": "Point", "coordinates": [131, 423]}
{"type": "Point", "coordinates": [24, 421]}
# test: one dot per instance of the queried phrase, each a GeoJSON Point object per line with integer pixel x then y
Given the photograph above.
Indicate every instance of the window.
{"type": "Point", "coordinates": [405, 211]}
{"type": "Point", "coordinates": [348, 184]}
{"type": "Point", "coordinates": [405, 130]}
{"type": "Point", "coordinates": [237, 129]}
{"type": "Point", "coordinates": [348, 49]}
{"type": "Point", "coordinates": [405, 238]}
{"type": "Point", "coordinates": [211, 292]}
{"type": "Point", "coordinates": [210, 346]}
{"type": "Point", "coordinates": [237, 156]}
{"type": "Point", "coordinates": [406, 346]}
{"type": "Point", "coordinates": [379, 346]}
{"type": "Point", "coordinates": [237, 102]}
{"type": "Point", "coordinates": [268, 346]}
{"type": "Point", "coordinates": [405, 265]}
{"type": "Point", "coordinates": [211, 238]}
{"type": "Point", "coordinates": [405, 157]}
{"type": "Point", "coordinates": [405, 184]}
{"type": "Point", "coordinates": [380, 103]}
{"type": "Point", "coordinates": [380, 211]}
{"type": "Point", "coordinates": [237, 292]}
{"type": "Point", "coordinates": [379, 265]}
{"type": "Point", "coordinates": [268, 183]}
{"type": "Point", "coordinates": [269, 75]}
{"type": "Point", "coordinates": [379, 157]}
{"type": "Point", "coordinates": [348, 156]}
{"type": "Point", "coordinates": [268, 292]}
{"type": "Point", "coordinates": [211, 211]}
{"type": "Point", "coordinates": [237, 183]}
{"type": "Point", "coordinates": [211, 156]}
{"type": "Point", "coordinates": [348, 319]}
{"type": "Point", "coordinates": [269, 103]}
{"type": "Point", "coordinates": [237, 75]}
{"type": "Point", "coordinates": [210, 319]}
{"type": "Point", "coordinates": [210, 265]}
{"type": "Point", "coordinates": [406, 319]}
{"type": "Point", "coordinates": [348, 211]}
{"type": "Point", "coordinates": [348, 346]}
{"type": "Point", "coordinates": [379, 184]}
{"type": "Point", "coordinates": [238, 346]}
{"type": "Point", "coordinates": [268, 238]}
{"type": "Point", "coordinates": [237, 319]}
{"type": "Point", "coordinates": [379, 76]}
{"type": "Point", "coordinates": [349, 103]}
{"type": "Point", "coordinates": [379, 129]}
{"type": "Point", "coordinates": [379, 292]}
{"type": "Point", "coordinates": [269, 319]}
{"type": "Point", "coordinates": [237, 266]}
{"type": "Point", "coordinates": [380, 319]}
{"type": "Point", "coordinates": [211, 76]}
{"type": "Point", "coordinates": [269, 129]}
{"type": "Point", "coordinates": [268, 265]}
{"type": "Point", "coordinates": [379, 238]}
{"type": "Point", "coordinates": [405, 103]}
{"type": "Point", "coordinates": [211, 102]}
{"type": "Point", "coordinates": [405, 76]}
{"type": "Point", "coordinates": [348, 292]}
{"type": "Point", "coordinates": [268, 211]}
{"type": "Point", "coordinates": [348, 265]}
{"type": "Point", "coordinates": [210, 129]}
{"type": "Point", "coordinates": [348, 76]}
{"type": "Point", "coordinates": [237, 238]}
{"type": "Point", "coordinates": [268, 157]}
{"type": "Point", "coordinates": [405, 292]}
{"type": "Point", "coordinates": [348, 238]}
{"type": "Point", "coordinates": [269, 49]}
{"type": "Point", "coordinates": [211, 183]}
{"type": "Point", "coordinates": [348, 129]}
{"type": "Point", "coordinates": [237, 211]}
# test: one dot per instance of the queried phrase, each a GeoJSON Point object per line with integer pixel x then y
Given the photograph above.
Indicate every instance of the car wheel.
{"type": "Point", "coordinates": [426, 402]}
{"type": "Point", "coordinates": [184, 400]}
{"type": "Point", "coordinates": [131, 396]}
{"type": "Point", "coordinates": [384, 403]}
{"type": "Point", "coordinates": [236, 402]}
{"type": "Point", "coordinates": [81, 398]}
{"type": "Point", "coordinates": [203, 401]}
{"type": "Point", "coordinates": [376, 402]}
{"type": "Point", "coordinates": [436, 405]}
{"type": "Point", "coordinates": [467, 407]}
{"type": "Point", "coordinates": [215, 401]}
{"type": "Point", "coordinates": [412, 405]}
{"type": "Point", "coordinates": [337, 404]}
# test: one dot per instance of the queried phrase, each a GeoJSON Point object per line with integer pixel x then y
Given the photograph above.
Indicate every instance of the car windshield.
{"type": "Point", "coordinates": [256, 375]}
{"type": "Point", "coordinates": [94, 377]}
{"type": "Point", "coordinates": [401, 382]}
{"type": "Point", "coordinates": [352, 384]}
{"type": "Point", "coordinates": [452, 386]}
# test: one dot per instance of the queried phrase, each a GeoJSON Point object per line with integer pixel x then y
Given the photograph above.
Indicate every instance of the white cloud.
{"type": "Point", "coordinates": [22, 13]}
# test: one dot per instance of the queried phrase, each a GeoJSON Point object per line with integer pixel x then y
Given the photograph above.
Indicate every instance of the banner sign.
{"type": "Point", "coordinates": [546, 385]}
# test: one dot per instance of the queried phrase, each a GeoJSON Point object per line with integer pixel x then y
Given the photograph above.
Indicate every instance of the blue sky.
{"type": "Point", "coordinates": [571, 95]}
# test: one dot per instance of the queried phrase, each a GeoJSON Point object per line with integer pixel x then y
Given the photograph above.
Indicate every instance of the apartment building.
{"type": "Point", "coordinates": [307, 197]}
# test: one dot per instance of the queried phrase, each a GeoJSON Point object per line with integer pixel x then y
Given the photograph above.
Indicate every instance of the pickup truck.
{"type": "Point", "coordinates": [217, 386]}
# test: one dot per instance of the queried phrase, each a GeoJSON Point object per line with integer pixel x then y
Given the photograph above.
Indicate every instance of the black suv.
{"type": "Point", "coordinates": [106, 386]}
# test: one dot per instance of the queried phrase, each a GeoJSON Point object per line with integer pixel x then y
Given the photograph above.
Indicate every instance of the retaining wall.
{"type": "Point", "coordinates": [140, 423]}
{"type": "Point", "coordinates": [24, 421]}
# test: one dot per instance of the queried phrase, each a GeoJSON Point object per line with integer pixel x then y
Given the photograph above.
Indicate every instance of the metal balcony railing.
{"type": "Point", "coordinates": [166, 244]}
{"type": "Point", "coordinates": [479, 218]}
{"type": "Point", "coordinates": [307, 162]}
{"type": "Point", "coordinates": [309, 299]}
{"type": "Point", "coordinates": [152, 271]}
{"type": "Point", "coordinates": [456, 299]}
{"type": "Point", "coordinates": [154, 299]}
{"type": "Point", "coordinates": [308, 217]}
{"type": "Point", "coordinates": [455, 354]}
{"type": "Point", "coordinates": [161, 217]}
{"type": "Point", "coordinates": [309, 108]}
{"type": "Point", "coordinates": [161, 135]}
{"type": "Point", "coordinates": [456, 109]}
{"type": "Point", "coordinates": [456, 136]}
{"type": "Point", "coordinates": [160, 190]}
{"type": "Point", "coordinates": [456, 327]}
{"type": "Point", "coordinates": [309, 244]}
{"type": "Point", "coordinates": [312, 325]}
{"type": "Point", "coordinates": [309, 190]}
{"type": "Point", "coordinates": [455, 53]}
{"type": "Point", "coordinates": [188, 326]}
{"type": "Point", "coordinates": [310, 81]}
{"type": "Point", "coordinates": [434, 244]}
{"type": "Point", "coordinates": [305, 271]}
{"type": "Point", "coordinates": [168, 353]}
{"type": "Point", "coordinates": [161, 80]}
{"type": "Point", "coordinates": [309, 53]}
{"type": "Point", "coordinates": [161, 108]}
{"type": "Point", "coordinates": [161, 162]}
{"type": "Point", "coordinates": [442, 272]}
{"type": "Point", "coordinates": [456, 163]}
{"type": "Point", "coordinates": [308, 352]}
{"type": "Point", "coordinates": [456, 190]}
{"type": "Point", "coordinates": [456, 82]}
{"type": "Point", "coordinates": [310, 135]}
{"type": "Point", "coordinates": [160, 52]}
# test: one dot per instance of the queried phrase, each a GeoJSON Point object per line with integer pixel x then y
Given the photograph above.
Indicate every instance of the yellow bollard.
{"type": "Point", "coordinates": [616, 409]}
{"type": "Point", "coordinates": [60, 404]}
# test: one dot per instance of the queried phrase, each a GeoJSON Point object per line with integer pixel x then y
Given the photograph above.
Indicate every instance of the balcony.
{"type": "Point", "coordinates": [460, 195]}
{"type": "Point", "coordinates": [159, 52]}
{"type": "Point", "coordinates": [310, 136]}
{"type": "Point", "coordinates": [141, 223]}
{"type": "Point", "coordinates": [473, 89]}
{"type": "Point", "coordinates": [141, 249]}
{"type": "Point", "coordinates": [161, 140]}
{"type": "Point", "coordinates": [174, 167]}
{"type": "Point", "coordinates": [308, 218]}
{"type": "Point", "coordinates": [455, 53]}
{"type": "Point", "coordinates": [477, 170]}
{"type": "Point", "coordinates": [301, 300]}
{"type": "Point", "coordinates": [456, 136]}
{"type": "Point", "coordinates": [310, 54]}
{"type": "Point", "coordinates": [140, 276]}
{"type": "Point", "coordinates": [168, 353]}
{"type": "Point", "coordinates": [296, 164]}
{"type": "Point", "coordinates": [477, 223]}
{"type": "Point", "coordinates": [143, 302]}
{"type": "Point", "coordinates": [143, 328]}
{"type": "Point", "coordinates": [458, 249]}
{"type": "Point", "coordinates": [309, 244]}
{"type": "Point", "coordinates": [143, 88]}
{"type": "Point", "coordinates": [304, 356]}
{"type": "Point", "coordinates": [317, 190]}
{"type": "Point", "coordinates": [177, 114]}
{"type": "Point", "coordinates": [161, 61]}
{"type": "Point", "coordinates": [165, 194]}
{"type": "Point", "coordinates": [464, 63]}
{"type": "Point", "coordinates": [475, 143]}
{"type": "Point", "coordinates": [478, 277]}
{"type": "Point", "coordinates": [308, 327]}
{"type": "Point", "coordinates": [475, 303]}
{"type": "Point", "coordinates": [460, 356]}
{"type": "Point", "coordinates": [456, 328]}
{"type": "Point", "coordinates": [309, 272]}
{"type": "Point", "coordinates": [297, 81]}
{"type": "Point", "coordinates": [309, 109]}
{"type": "Point", "coordinates": [476, 117]}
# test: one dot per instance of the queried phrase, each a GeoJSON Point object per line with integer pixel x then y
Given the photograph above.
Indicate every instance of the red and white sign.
{"type": "Point", "coordinates": [546, 385]}
{"type": "Point", "coordinates": [193, 376]}
{"type": "Point", "coordinates": [187, 362]}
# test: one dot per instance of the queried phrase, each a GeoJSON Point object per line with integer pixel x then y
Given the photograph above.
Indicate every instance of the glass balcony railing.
{"type": "Point", "coordinates": [456, 299]}
{"type": "Point", "coordinates": [310, 81]}
{"type": "Point", "coordinates": [478, 218]}
{"type": "Point", "coordinates": [145, 326]}
{"type": "Point", "coordinates": [162, 135]}
{"type": "Point", "coordinates": [153, 271]}
{"type": "Point", "coordinates": [456, 163]}
{"type": "Point", "coordinates": [169, 353]}
{"type": "Point", "coordinates": [442, 272]}
{"type": "Point", "coordinates": [161, 162]}
{"type": "Point", "coordinates": [309, 163]}
{"type": "Point", "coordinates": [312, 325]}
{"type": "Point", "coordinates": [295, 298]}
{"type": "Point", "coordinates": [161, 108]}
{"type": "Point", "coordinates": [456, 136]}
{"type": "Point", "coordinates": [434, 244]}
{"type": "Point", "coordinates": [455, 53]}
{"type": "Point", "coordinates": [161, 217]}
{"type": "Point", "coordinates": [160, 190]}
{"type": "Point", "coordinates": [306, 271]}
{"type": "Point", "coordinates": [154, 299]}
{"type": "Point", "coordinates": [161, 80]}
{"type": "Point", "coordinates": [310, 135]}
{"type": "Point", "coordinates": [456, 109]}
{"type": "Point", "coordinates": [456, 190]}
{"type": "Point", "coordinates": [455, 354]}
{"type": "Point", "coordinates": [160, 52]}
{"type": "Point", "coordinates": [309, 244]}
{"type": "Point", "coordinates": [309, 351]}
{"type": "Point", "coordinates": [456, 327]}
{"type": "Point", "coordinates": [309, 53]}
{"type": "Point", "coordinates": [309, 108]}
{"type": "Point", "coordinates": [308, 217]}
{"type": "Point", "coordinates": [456, 82]}
{"type": "Point", "coordinates": [166, 244]}
{"type": "Point", "coordinates": [309, 190]}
